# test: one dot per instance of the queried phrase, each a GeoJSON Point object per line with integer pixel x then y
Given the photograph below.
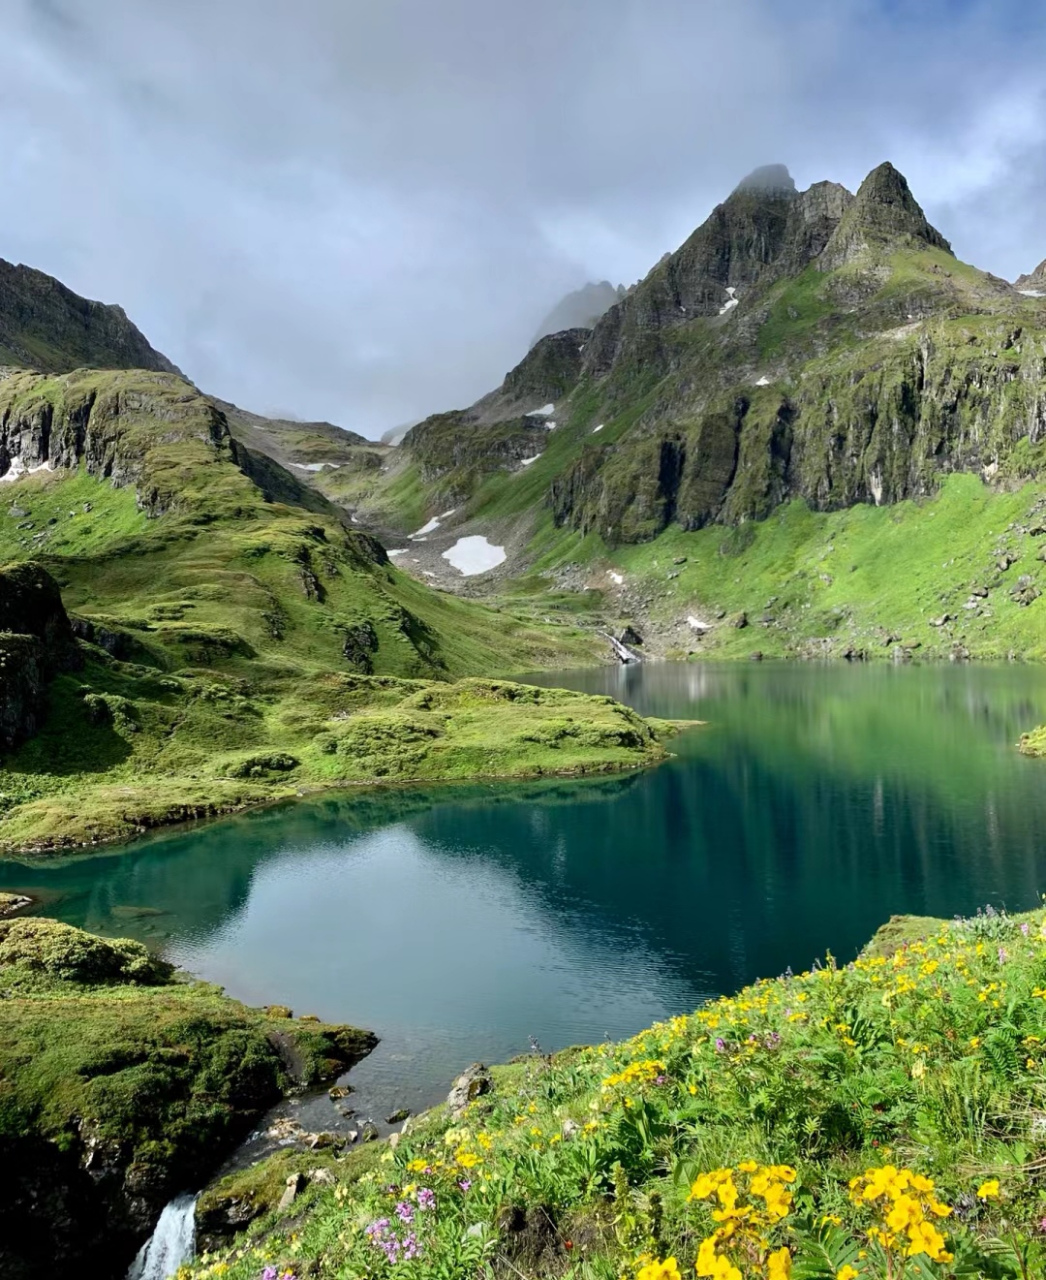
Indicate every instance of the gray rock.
{"type": "Point", "coordinates": [471, 1084]}
{"type": "Point", "coordinates": [295, 1183]}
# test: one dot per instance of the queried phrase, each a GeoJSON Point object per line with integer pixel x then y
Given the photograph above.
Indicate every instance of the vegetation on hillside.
{"type": "Point", "coordinates": [875, 1119]}
{"type": "Point", "coordinates": [240, 648]}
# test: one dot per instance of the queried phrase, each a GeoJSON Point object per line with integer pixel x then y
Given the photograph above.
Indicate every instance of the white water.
{"type": "Point", "coordinates": [474, 555]}
{"type": "Point", "coordinates": [625, 654]}
{"type": "Point", "coordinates": [170, 1245]}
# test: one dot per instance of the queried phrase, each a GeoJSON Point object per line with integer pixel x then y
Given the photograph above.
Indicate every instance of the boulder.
{"type": "Point", "coordinates": [473, 1082]}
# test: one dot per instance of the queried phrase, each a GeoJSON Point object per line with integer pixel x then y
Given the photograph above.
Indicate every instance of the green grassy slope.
{"type": "Point", "coordinates": [230, 637]}
{"type": "Point", "coordinates": [742, 1140]}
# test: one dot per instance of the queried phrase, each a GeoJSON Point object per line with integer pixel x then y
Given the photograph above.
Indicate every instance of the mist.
{"type": "Point", "coordinates": [359, 212]}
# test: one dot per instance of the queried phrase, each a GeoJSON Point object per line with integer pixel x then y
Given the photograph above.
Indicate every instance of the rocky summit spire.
{"type": "Point", "coordinates": [883, 211]}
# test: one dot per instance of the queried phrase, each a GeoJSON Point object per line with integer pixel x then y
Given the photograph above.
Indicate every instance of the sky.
{"type": "Point", "coordinates": [360, 211]}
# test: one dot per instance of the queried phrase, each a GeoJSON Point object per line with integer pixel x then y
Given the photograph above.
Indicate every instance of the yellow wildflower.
{"type": "Point", "coordinates": [989, 1190]}
{"type": "Point", "coordinates": [779, 1265]}
{"type": "Point", "coordinates": [847, 1273]}
{"type": "Point", "coordinates": [667, 1270]}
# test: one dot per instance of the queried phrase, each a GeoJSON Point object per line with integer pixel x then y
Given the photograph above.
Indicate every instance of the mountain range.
{"type": "Point", "coordinates": [801, 355]}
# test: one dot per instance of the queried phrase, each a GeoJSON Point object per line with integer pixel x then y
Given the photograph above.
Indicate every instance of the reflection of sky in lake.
{"type": "Point", "coordinates": [458, 922]}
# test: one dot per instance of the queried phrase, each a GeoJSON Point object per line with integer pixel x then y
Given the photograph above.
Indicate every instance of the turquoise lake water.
{"type": "Point", "coordinates": [461, 922]}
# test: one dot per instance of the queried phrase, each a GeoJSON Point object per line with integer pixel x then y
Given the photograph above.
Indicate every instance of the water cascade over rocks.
{"type": "Point", "coordinates": [170, 1245]}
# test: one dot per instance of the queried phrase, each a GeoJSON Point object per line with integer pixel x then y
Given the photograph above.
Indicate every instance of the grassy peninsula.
{"type": "Point", "coordinates": [880, 1118]}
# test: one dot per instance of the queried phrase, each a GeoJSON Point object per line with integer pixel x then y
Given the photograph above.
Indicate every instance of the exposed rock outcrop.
{"type": "Point", "coordinates": [1035, 282]}
{"type": "Point", "coordinates": [36, 642]}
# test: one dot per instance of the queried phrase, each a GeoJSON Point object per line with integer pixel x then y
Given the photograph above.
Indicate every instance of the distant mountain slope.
{"type": "Point", "coordinates": [580, 309]}
{"type": "Point", "coordinates": [45, 326]}
{"type": "Point", "coordinates": [1034, 282]}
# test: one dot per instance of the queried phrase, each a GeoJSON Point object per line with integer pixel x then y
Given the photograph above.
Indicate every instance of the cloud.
{"type": "Point", "coordinates": [360, 211]}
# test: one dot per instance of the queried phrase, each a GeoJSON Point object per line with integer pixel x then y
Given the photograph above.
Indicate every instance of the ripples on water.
{"type": "Point", "coordinates": [460, 922]}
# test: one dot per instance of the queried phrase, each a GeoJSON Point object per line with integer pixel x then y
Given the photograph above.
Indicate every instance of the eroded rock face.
{"type": "Point", "coordinates": [36, 642]}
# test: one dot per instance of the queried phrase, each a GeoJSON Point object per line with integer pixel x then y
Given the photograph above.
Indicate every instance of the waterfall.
{"type": "Point", "coordinates": [625, 655]}
{"type": "Point", "coordinates": [171, 1244]}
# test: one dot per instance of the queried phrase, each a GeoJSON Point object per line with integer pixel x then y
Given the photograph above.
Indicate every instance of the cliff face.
{"type": "Point", "coordinates": [36, 642]}
{"type": "Point", "coordinates": [45, 326]}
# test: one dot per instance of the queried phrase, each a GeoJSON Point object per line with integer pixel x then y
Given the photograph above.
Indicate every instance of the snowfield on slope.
{"type": "Point", "coordinates": [474, 555]}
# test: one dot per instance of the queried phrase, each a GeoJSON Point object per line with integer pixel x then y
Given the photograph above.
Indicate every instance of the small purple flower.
{"type": "Point", "coordinates": [1024, 929]}
{"type": "Point", "coordinates": [410, 1246]}
{"type": "Point", "coordinates": [405, 1211]}
{"type": "Point", "coordinates": [465, 1184]}
{"type": "Point", "coordinates": [661, 1080]}
{"type": "Point", "coordinates": [1003, 957]}
{"type": "Point", "coordinates": [269, 1273]}
{"type": "Point", "coordinates": [377, 1228]}
{"type": "Point", "coordinates": [426, 1198]}
{"type": "Point", "coordinates": [1042, 1225]}
{"type": "Point", "coordinates": [720, 1044]}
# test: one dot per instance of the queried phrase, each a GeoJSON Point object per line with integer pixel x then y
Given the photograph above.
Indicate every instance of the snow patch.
{"type": "Point", "coordinates": [543, 412]}
{"type": "Point", "coordinates": [876, 482]}
{"type": "Point", "coordinates": [764, 381]}
{"type": "Point", "coordinates": [695, 624]}
{"type": "Point", "coordinates": [550, 425]}
{"type": "Point", "coordinates": [599, 428]}
{"type": "Point", "coordinates": [398, 551]}
{"type": "Point", "coordinates": [731, 300]}
{"type": "Point", "coordinates": [615, 578]}
{"type": "Point", "coordinates": [431, 527]}
{"type": "Point", "coordinates": [527, 461]}
{"type": "Point", "coordinates": [447, 514]}
{"type": "Point", "coordinates": [19, 469]}
{"type": "Point", "coordinates": [1032, 293]}
{"type": "Point", "coordinates": [474, 555]}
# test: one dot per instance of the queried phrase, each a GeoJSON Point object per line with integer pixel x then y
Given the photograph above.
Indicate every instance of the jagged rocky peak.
{"type": "Point", "coordinates": [883, 211]}
{"type": "Point", "coordinates": [1035, 283]}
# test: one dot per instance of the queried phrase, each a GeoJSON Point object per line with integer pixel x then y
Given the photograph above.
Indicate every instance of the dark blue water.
{"type": "Point", "coordinates": [460, 922]}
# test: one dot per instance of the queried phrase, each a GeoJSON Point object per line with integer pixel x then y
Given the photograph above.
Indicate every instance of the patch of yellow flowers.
{"type": "Point", "coordinates": [750, 1201]}
{"type": "Point", "coordinates": [635, 1073]}
{"type": "Point", "coordinates": [906, 1207]}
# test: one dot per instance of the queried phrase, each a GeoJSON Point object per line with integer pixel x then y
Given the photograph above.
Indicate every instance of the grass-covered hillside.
{"type": "Point", "coordinates": [959, 574]}
{"type": "Point", "coordinates": [122, 1083]}
{"type": "Point", "coordinates": [881, 1118]}
{"type": "Point", "coordinates": [239, 646]}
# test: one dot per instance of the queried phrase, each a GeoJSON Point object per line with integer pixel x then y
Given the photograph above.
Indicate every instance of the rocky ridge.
{"type": "Point", "coordinates": [46, 326]}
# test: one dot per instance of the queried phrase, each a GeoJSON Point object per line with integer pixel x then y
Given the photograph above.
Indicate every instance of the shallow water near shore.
{"type": "Point", "coordinates": [465, 923]}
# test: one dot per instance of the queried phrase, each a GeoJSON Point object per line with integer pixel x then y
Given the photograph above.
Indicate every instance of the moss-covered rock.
{"type": "Point", "coordinates": [121, 1084]}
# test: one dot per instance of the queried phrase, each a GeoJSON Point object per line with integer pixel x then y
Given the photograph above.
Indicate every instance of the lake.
{"type": "Point", "coordinates": [465, 923]}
